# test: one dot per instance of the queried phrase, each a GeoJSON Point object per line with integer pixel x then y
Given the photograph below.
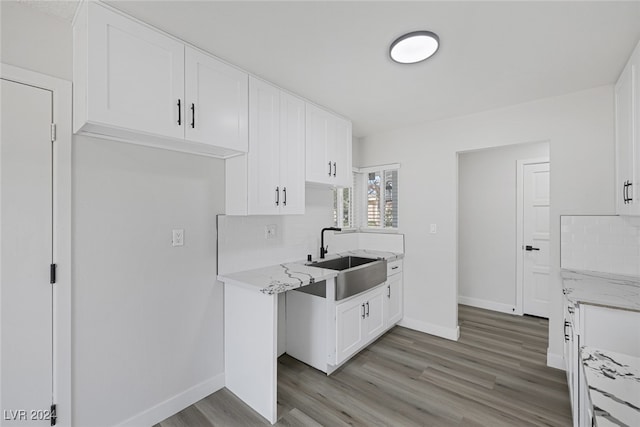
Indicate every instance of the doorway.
{"type": "Point", "coordinates": [488, 225]}
{"type": "Point", "coordinates": [35, 233]}
{"type": "Point", "coordinates": [26, 253]}
{"type": "Point", "coordinates": [533, 293]}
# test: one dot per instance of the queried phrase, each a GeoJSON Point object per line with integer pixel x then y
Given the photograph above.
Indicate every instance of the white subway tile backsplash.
{"type": "Point", "coordinates": [609, 244]}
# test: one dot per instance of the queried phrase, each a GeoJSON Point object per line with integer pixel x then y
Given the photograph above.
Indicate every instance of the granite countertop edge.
{"type": "Point", "coordinates": [283, 277]}
{"type": "Point", "coordinates": [601, 289]}
{"type": "Point", "coordinates": [613, 384]}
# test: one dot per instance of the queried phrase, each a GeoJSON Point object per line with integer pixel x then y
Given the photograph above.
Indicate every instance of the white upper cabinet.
{"type": "Point", "coordinates": [130, 84]}
{"type": "Point", "coordinates": [328, 159]}
{"type": "Point", "coordinates": [270, 178]}
{"type": "Point", "coordinates": [627, 97]}
{"type": "Point", "coordinates": [217, 102]}
{"type": "Point", "coordinates": [292, 153]}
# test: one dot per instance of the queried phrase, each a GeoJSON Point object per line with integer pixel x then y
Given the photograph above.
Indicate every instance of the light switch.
{"type": "Point", "coordinates": [177, 237]}
{"type": "Point", "coordinates": [433, 229]}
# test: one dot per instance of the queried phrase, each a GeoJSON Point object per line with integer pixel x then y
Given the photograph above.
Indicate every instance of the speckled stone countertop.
{"type": "Point", "coordinates": [613, 381]}
{"type": "Point", "coordinates": [280, 278]}
{"type": "Point", "coordinates": [603, 289]}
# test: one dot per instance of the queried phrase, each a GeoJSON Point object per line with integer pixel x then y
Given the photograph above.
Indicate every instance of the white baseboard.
{"type": "Point", "coordinates": [555, 360]}
{"type": "Point", "coordinates": [175, 404]}
{"type": "Point", "coordinates": [486, 304]}
{"type": "Point", "coordinates": [429, 328]}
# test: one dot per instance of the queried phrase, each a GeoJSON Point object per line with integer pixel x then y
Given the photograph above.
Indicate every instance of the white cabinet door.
{"type": "Point", "coordinates": [340, 153]}
{"type": "Point", "coordinates": [292, 153]}
{"type": "Point", "coordinates": [264, 191]}
{"type": "Point", "coordinates": [135, 75]}
{"type": "Point", "coordinates": [216, 102]}
{"type": "Point", "coordinates": [350, 317]}
{"type": "Point", "coordinates": [328, 148]}
{"type": "Point", "coordinates": [393, 300]}
{"type": "Point", "coordinates": [318, 167]}
{"type": "Point", "coordinates": [374, 322]}
{"type": "Point", "coordinates": [624, 140]}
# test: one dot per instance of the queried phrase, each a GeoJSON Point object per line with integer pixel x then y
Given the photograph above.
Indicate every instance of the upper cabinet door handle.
{"type": "Point", "coordinates": [179, 113]}
{"type": "Point", "coordinates": [193, 116]}
{"type": "Point", "coordinates": [277, 196]}
{"type": "Point", "coordinates": [335, 169]}
{"type": "Point", "coordinates": [284, 191]}
{"type": "Point", "coordinates": [329, 168]}
{"type": "Point", "coordinates": [629, 185]}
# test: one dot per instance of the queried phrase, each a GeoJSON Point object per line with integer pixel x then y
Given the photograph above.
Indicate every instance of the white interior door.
{"type": "Point", "coordinates": [535, 251]}
{"type": "Point", "coordinates": [25, 255]}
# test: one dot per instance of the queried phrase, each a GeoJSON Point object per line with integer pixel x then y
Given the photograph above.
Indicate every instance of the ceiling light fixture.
{"type": "Point", "coordinates": [414, 47]}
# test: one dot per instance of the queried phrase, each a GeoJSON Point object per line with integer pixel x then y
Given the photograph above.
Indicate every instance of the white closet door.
{"type": "Point", "coordinates": [25, 254]}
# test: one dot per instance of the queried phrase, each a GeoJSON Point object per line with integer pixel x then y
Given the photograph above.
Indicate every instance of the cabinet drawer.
{"type": "Point", "coordinates": [394, 267]}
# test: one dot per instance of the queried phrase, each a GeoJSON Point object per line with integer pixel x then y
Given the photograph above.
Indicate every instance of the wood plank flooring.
{"type": "Point", "coordinates": [495, 375]}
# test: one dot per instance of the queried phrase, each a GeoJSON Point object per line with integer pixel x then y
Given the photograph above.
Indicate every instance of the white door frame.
{"type": "Point", "coordinates": [519, 225]}
{"type": "Point", "coordinates": [61, 90]}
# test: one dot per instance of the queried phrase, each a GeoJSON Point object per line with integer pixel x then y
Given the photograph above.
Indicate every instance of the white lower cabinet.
{"type": "Point", "coordinates": [359, 321]}
{"type": "Point", "coordinates": [350, 320]}
{"type": "Point", "coordinates": [393, 306]}
{"type": "Point", "coordinates": [594, 326]}
{"type": "Point", "coordinates": [324, 333]}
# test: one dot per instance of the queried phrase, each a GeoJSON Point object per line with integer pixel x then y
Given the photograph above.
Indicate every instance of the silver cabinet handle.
{"type": "Point", "coordinates": [367, 308]}
{"type": "Point", "coordinates": [277, 196]}
{"type": "Point", "coordinates": [389, 291]}
{"type": "Point", "coordinates": [284, 191]}
{"type": "Point", "coordinates": [329, 168]}
{"type": "Point", "coordinates": [335, 169]}
{"type": "Point", "coordinates": [363, 312]}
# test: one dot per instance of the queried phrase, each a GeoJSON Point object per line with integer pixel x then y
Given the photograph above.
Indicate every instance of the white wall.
{"type": "Point", "coordinates": [580, 130]}
{"type": "Point", "coordinates": [35, 41]}
{"type": "Point", "coordinates": [147, 318]}
{"type": "Point", "coordinates": [487, 224]}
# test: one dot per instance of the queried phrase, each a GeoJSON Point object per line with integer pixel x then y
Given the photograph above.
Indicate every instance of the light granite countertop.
{"type": "Point", "coordinates": [280, 278]}
{"type": "Point", "coordinates": [613, 381]}
{"type": "Point", "coordinates": [603, 289]}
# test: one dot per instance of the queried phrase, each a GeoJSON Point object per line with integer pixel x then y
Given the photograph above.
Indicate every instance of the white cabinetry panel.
{"type": "Point", "coordinates": [393, 306]}
{"type": "Point", "coordinates": [350, 318]}
{"type": "Point", "coordinates": [130, 84]}
{"type": "Point", "coordinates": [269, 179]}
{"type": "Point", "coordinates": [328, 148]}
{"type": "Point", "coordinates": [135, 75]}
{"type": "Point", "coordinates": [217, 102]}
{"type": "Point", "coordinates": [627, 98]}
{"type": "Point", "coordinates": [264, 190]}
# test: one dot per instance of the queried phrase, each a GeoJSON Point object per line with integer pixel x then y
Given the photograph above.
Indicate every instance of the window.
{"type": "Point", "coordinates": [371, 202]}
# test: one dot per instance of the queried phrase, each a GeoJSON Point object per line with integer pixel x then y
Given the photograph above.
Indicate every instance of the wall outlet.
{"type": "Point", "coordinates": [270, 231]}
{"type": "Point", "coordinates": [433, 229]}
{"type": "Point", "coordinates": [177, 237]}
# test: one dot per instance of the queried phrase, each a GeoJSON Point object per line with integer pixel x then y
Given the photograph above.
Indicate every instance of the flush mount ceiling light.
{"type": "Point", "coordinates": [414, 47]}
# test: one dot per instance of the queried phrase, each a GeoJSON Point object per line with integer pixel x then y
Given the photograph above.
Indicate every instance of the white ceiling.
{"type": "Point", "coordinates": [492, 54]}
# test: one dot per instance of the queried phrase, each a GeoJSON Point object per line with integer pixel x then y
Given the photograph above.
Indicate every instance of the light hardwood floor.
{"type": "Point", "coordinates": [494, 375]}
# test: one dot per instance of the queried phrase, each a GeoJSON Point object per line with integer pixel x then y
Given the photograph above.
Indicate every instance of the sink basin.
{"type": "Point", "coordinates": [356, 274]}
{"type": "Point", "coordinates": [343, 263]}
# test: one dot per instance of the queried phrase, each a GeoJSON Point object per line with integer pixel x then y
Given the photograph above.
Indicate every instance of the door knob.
{"type": "Point", "coordinates": [531, 248]}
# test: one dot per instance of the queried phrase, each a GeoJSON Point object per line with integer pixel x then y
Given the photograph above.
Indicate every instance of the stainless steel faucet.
{"type": "Point", "coordinates": [323, 249]}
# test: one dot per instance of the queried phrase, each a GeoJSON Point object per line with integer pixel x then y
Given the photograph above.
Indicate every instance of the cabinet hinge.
{"type": "Point", "coordinates": [53, 132]}
{"type": "Point", "coordinates": [52, 273]}
{"type": "Point", "coordinates": [53, 414]}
